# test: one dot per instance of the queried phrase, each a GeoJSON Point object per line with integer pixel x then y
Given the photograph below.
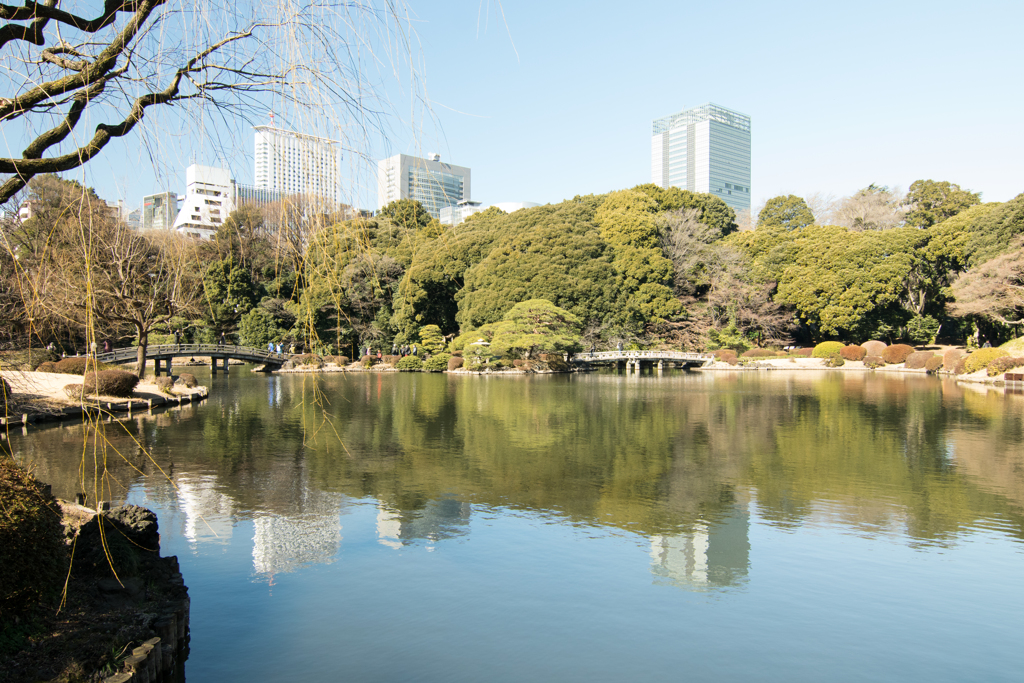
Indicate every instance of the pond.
{"type": "Point", "coordinates": [778, 526]}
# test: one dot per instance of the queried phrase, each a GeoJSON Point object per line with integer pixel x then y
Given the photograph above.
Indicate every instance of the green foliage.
{"type": "Point", "coordinates": [228, 293]}
{"type": "Point", "coordinates": [528, 329]}
{"type": "Point", "coordinates": [431, 339]}
{"type": "Point", "coordinates": [980, 359]}
{"type": "Point", "coordinates": [437, 362]}
{"type": "Point", "coordinates": [994, 233]}
{"type": "Point", "coordinates": [787, 213]}
{"type": "Point", "coordinates": [410, 363]}
{"type": "Point", "coordinates": [257, 328]}
{"type": "Point", "coordinates": [728, 338]}
{"type": "Point", "coordinates": [834, 360]}
{"type": "Point", "coordinates": [406, 213]}
{"type": "Point", "coordinates": [922, 329]}
{"type": "Point", "coordinates": [711, 210]}
{"type": "Point", "coordinates": [33, 557]}
{"type": "Point", "coordinates": [626, 219]}
{"type": "Point", "coordinates": [827, 349]}
{"type": "Point", "coordinates": [935, 201]}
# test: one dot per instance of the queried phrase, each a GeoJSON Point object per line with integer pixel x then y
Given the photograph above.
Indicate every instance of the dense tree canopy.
{"type": "Point", "coordinates": [789, 213]}
{"type": "Point", "coordinates": [933, 201]}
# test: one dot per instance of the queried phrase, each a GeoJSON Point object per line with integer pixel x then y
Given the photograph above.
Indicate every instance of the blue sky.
{"type": "Point", "coordinates": [556, 99]}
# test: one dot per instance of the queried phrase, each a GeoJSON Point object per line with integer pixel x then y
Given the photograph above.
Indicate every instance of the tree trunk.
{"type": "Point", "coordinates": [140, 359]}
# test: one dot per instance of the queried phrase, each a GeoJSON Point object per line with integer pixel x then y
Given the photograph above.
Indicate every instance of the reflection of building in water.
{"type": "Point", "coordinates": [437, 520]}
{"type": "Point", "coordinates": [208, 512]}
{"type": "Point", "coordinates": [312, 534]}
{"type": "Point", "coordinates": [714, 554]}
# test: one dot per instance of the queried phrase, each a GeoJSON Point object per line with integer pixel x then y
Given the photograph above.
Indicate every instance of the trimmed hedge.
{"type": "Point", "coordinates": [455, 362]}
{"type": "Point", "coordinates": [873, 362]}
{"type": "Point", "coordinates": [437, 363]}
{"type": "Point", "coordinates": [897, 353]}
{"type": "Point", "coordinates": [33, 556]}
{"type": "Point", "coordinates": [874, 347]}
{"type": "Point", "coordinates": [340, 361]}
{"type": "Point", "coordinates": [73, 366]}
{"type": "Point", "coordinates": [164, 384]}
{"type": "Point", "coordinates": [760, 353]}
{"type": "Point", "coordinates": [47, 366]}
{"type": "Point", "coordinates": [853, 352]}
{"type": "Point", "coordinates": [919, 359]}
{"type": "Point", "coordinates": [950, 358]}
{"type": "Point", "coordinates": [980, 359]}
{"type": "Point", "coordinates": [961, 366]}
{"type": "Point", "coordinates": [834, 361]}
{"type": "Point", "coordinates": [188, 379]}
{"type": "Point", "coordinates": [826, 349]}
{"type": "Point", "coordinates": [409, 363]}
{"type": "Point", "coordinates": [803, 353]}
{"type": "Point", "coordinates": [933, 363]}
{"type": "Point", "coordinates": [726, 355]}
{"type": "Point", "coordinates": [1004, 364]}
{"type": "Point", "coordinates": [308, 359]}
{"type": "Point", "coordinates": [116, 383]}
{"type": "Point", "coordinates": [76, 392]}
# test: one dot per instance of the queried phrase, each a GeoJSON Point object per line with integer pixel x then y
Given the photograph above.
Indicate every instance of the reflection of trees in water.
{"type": "Point", "coordinates": [653, 455]}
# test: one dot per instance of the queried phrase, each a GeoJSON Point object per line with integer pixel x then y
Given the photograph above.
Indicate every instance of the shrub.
{"type": "Point", "coordinates": [410, 363]}
{"type": "Point", "coordinates": [110, 383]}
{"type": "Point", "coordinates": [853, 352]}
{"type": "Point", "coordinates": [33, 556]}
{"type": "Point", "coordinates": [310, 359]}
{"type": "Point", "coordinates": [950, 358]}
{"type": "Point", "coordinates": [455, 362]}
{"type": "Point", "coordinates": [188, 379]}
{"type": "Point", "coordinates": [897, 353]}
{"type": "Point", "coordinates": [933, 363]}
{"type": "Point", "coordinates": [834, 361]}
{"type": "Point", "coordinates": [76, 392]}
{"type": "Point", "coordinates": [457, 353]}
{"type": "Point", "coordinates": [1004, 364]}
{"type": "Point", "coordinates": [436, 363]}
{"type": "Point", "coordinates": [980, 359]}
{"type": "Point", "coordinates": [961, 366]}
{"type": "Point", "coordinates": [826, 349]}
{"type": "Point", "coordinates": [803, 353]}
{"type": "Point", "coordinates": [72, 366]}
{"type": "Point", "coordinates": [919, 359]}
{"type": "Point", "coordinates": [47, 366]}
{"type": "Point", "coordinates": [164, 384]}
{"type": "Point", "coordinates": [518, 363]}
{"type": "Point", "coordinates": [873, 362]}
{"type": "Point", "coordinates": [725, 355]}
{"type": "Point", "coordinates": [340, 361]}
{"type": "Point", "coordinates": [760, 353]}
{"type": "Point", "coordinates": [874, 347]}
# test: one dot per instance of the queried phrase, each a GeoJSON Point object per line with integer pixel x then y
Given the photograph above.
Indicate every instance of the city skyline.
{"type": "Point", "coordinates": [527, 130]}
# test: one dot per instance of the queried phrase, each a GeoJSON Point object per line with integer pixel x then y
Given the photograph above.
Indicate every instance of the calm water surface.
{"type": "Point", "coordinates": [726, 527]}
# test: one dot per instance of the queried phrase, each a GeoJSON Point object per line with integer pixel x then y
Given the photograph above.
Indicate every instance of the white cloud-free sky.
{"type": "Point", "coordinates": [547, 100]}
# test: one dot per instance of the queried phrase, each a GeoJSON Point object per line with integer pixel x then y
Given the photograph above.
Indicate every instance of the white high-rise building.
{"type": "Point", "coordinates": [704, 149]}
{"type": "Point", "coordinates": [432, 183]}
{"type": "Point", "coordinates": [208, 200]}
{"type": "Point", "coordinates": [297, 164]}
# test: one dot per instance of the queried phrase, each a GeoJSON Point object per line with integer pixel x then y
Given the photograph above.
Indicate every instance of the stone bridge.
{"type": "Point", "coordinates": [634, 359]}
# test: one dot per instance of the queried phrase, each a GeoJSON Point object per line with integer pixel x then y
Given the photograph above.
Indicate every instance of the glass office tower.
{"type": "Point", "coordinates": [704, 149]}
{"type": "Point", "coordinates": [431, 182]}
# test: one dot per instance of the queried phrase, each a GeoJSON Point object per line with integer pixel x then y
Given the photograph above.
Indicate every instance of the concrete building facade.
{"type": "Point", "coordinates": [296, 164]}
{"type": "Point", "coordinates": [208, 201]}
{"type": "Point", "coordinates": [159, 211]}
{"type": "Point", "coordinates": [431, 182]}
{"type": "Point", "coordinates": [704, 149]}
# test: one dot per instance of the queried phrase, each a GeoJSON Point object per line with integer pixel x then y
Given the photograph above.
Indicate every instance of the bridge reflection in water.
{"type": "Point", "coordinates": [635, 359]}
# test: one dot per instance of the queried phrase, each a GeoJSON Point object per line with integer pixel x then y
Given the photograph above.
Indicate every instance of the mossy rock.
{"type": "Point", "coordinates": [33, 555]}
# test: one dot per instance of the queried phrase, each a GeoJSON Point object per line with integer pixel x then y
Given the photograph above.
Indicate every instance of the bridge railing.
{"type": "Point", "coordinates": [127, 354]}
{"type": "Point", "coordinates": [642, 355]}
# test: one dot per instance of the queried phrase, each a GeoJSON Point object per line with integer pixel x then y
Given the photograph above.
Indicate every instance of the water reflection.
{"type": "Point", "coordinates": [713, 554]}
{"type": "Point", "coordinates": [437, 520]}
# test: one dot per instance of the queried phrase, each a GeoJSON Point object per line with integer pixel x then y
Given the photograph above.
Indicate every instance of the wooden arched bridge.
{"type": "Point", "coordinates": [634, 359]}
{"type": "Point", "coordinates": [222, 353]}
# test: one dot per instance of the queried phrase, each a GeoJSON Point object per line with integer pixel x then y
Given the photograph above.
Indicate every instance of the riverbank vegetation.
{"type": "Point", "coordinates": [646, 267]}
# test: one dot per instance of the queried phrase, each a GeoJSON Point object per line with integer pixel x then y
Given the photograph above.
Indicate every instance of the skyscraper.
{"type": "Point", "coordinates": [432, 183]}
{"type": "Point", "coordinates": [296, 164]}
{"type": "Point", "coordinates": [704, 149]}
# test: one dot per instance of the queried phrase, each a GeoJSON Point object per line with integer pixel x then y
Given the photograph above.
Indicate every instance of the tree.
{"type": "Point", "coordinates": [788, 213]}
{"type": "Point", "coordinates": [406, 213]}
{"type": "Point", "coordinates": [710, 210]}
{"type": "Point", "coordinates": [873, 208]}
{"type": "Point", "coordinates": [431, 339]}
{"type": "Point", "coordinates": [63, 69]}
{"type": "Point", "coordinates": [934, 201]}
{"type": "Point", "coordinates": [527, 329]}
{"type": "Point", "coordinates": [994, 290]}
